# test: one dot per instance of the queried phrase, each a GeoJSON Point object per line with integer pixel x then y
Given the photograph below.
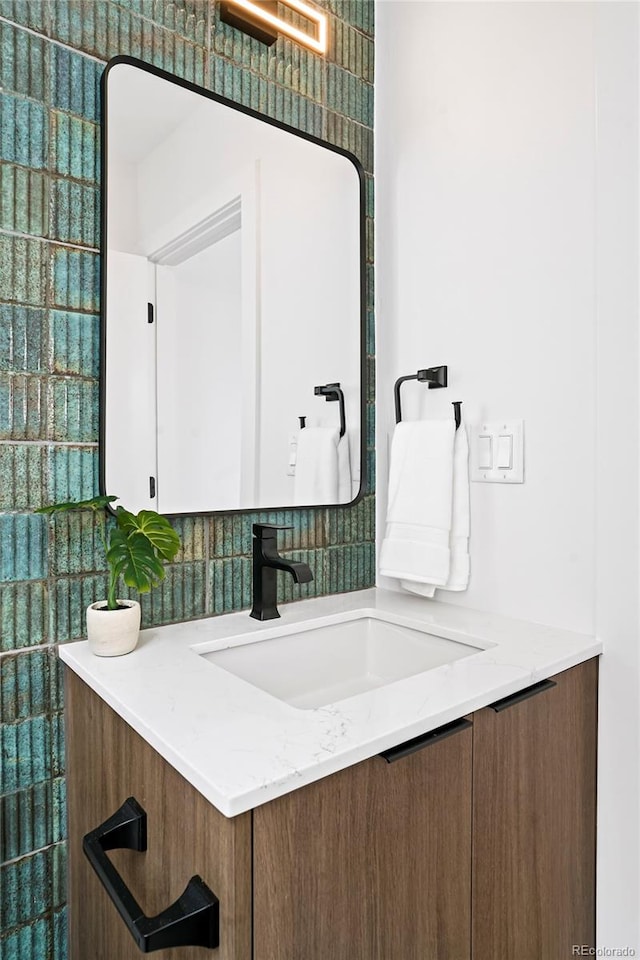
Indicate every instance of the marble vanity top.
{"type": "Point", "coordinates": [240, 747]}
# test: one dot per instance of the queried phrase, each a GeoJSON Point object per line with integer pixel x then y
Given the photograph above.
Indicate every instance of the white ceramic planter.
{"type": "Point", "coordinates": [111, 633]}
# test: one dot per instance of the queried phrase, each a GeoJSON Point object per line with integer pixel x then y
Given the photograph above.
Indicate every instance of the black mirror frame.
{"type": "Point", "coordinates": [194, 88]}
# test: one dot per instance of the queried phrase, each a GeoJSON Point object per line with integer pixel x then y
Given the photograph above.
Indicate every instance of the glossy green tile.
{"type": "Point", "coordinates": [22, 409]}
{"type": "Point", "coordinates": [29, 13]}
{"type": "Point", "coordinates": [23, 131]}
{"type": "Point", "coordinates": [359, 13]}
{"type": "Point", "coordinates": [75, 279]}
{"type": "Point", "coordinates": [348, 95]}
{"type": "Point", "coordinates": [230, 535]}
{"type": "Point", "coordinates": [76, 546]}
{"type": "Point", "coordinates": [73, 409]}
{"type": "Point", "coordinates": [194, 534]}
{"type": "Point", "coordinates": [76, 146]}
{"type": "Point", "coordinates": [26, 752]}
{"type": "Point", "coordinates": [370, 386]}
{"type": "Point", "coordinates": [26, 885]}
{"type": "Point", "coordinates": [72, 473]}
{"type": "Point", "coordinates": [23, 615]}
{"type": "Point", "coordinates": [70, 599]}
{"type": "Point", "coordinates": [187, 18]}
{"type": "Point", "coordinates": [352, 524]}
{"type": "Point", "coordinates": [57, 746]}
{"type": "Point", "coordinates": [75, 343]}
{"type": "Point", "coordinates": [22, 270]}
{"type": "Point", "coordinates": [75, 83]}
{"type": "Point", "coordinates": [180, 596]}
{"type": "Point", "coordinates": [60, 934]}
{"type": "Point", "coordinates": [285, 63]}
{"type": "Point", "coordinates": [26, 821]}
{"type": "Point", "coordinates": [56, 680]}
{"type": "Point", "coordinates": [352, 136]}
{"type": "Point", "coordinates": [22, 345]}
{"type": "Point", "coordinates": [370, 334]}
{"type": "Point", "coordinates": [104, 29]}
{"type": "Point", "coordinates": [29, 942]}
{"type": "Point", "coordinates": [350, 567]}
{"type": "Point", "coordinates": [75, 213]}
{"type": "Point", "coordinates": [25, 685]}
{"type": "Point", "coordinates": [23, 62]}
{"type": "Point", "coordinates": [371, 471]}
{"type": "Point", "coordinates": [369, 240]}
{"type": "Point", "coordinates": [230, 580]}
{"type": "Point", "coordinates": [23, 547]}
{"type": "Point", "coordinates": [59, 808]}
{"type": "Point", "coordinates": [351, 49]}
{"type": "Point", "coordinates": [370, 424]}
{"type": "Point", "coordinates": [24, 200]}
{"type": "Point", "coordinates": [21, 476]}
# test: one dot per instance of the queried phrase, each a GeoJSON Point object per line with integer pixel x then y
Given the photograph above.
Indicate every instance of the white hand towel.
{"type": "Point", "coordinates": [458, 578]}
{"type": "Point", "coordinates": [423, 548]}
{"type": "Point", "coordinates": [316, 479]}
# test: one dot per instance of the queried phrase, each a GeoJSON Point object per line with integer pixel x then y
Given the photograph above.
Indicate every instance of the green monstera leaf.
{"type": "Point", "coordinates": [95, 504]}
{"type": "Point", "coordinates": [158, 531]}
{"type": "Point", "coordinates": [135, 548]}
{"type": "Point", "coordinates": [134, 558]}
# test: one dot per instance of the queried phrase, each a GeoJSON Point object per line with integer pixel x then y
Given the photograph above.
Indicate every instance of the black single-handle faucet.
{"type": "Point", "coordinates": [266, 562]}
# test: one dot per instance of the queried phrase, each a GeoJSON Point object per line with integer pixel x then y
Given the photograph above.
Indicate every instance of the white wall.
{"type": "Point", "coordinates": [507, 249]}
{"type": "Point", "coordinates": [485, 225]}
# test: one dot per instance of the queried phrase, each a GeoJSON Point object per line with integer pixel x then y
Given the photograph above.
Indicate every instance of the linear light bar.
{"type": "Point", "coordinates": [231, 13]}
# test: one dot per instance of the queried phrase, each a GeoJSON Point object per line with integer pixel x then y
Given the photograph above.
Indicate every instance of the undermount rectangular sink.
{"type": "Point", "coordinates": [317, 663]}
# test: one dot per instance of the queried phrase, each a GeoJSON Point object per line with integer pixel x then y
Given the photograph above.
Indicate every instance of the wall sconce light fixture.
{"type": "Point", "coordinates": [260, 20]}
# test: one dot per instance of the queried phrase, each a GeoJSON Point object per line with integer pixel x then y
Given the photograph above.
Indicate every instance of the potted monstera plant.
{"type": "Point", "coordinates": [136, 547]}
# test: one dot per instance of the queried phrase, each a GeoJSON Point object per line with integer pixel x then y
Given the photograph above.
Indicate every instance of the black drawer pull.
{"type": "Point", "coordinates": [425, 740]}
{"type": "Point", "coordinates": [194, 918]}
{"type": "Point", "coordinates": [522, 695]}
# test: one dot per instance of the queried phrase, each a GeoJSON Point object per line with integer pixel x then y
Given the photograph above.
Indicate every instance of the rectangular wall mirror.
{"type": "Point", "coordinates": [232, 304]}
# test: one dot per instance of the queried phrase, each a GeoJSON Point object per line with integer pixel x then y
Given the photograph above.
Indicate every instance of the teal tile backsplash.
{"type": "Point", "coordinates": [52, 54]}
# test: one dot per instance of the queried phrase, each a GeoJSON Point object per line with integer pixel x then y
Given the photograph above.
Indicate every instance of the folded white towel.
{"type": "Point", "coordinates": [316, 479]}
{"type": "Point", "coordinates": [426, 542]}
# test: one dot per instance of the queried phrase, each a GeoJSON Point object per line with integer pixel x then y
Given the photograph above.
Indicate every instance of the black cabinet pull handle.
{"type": "Point", "coordinates": [194, 918]}
{"type": "Point", "coordinates": [425, 740]}
{"type": "Point", "coordinates": [511, 701]}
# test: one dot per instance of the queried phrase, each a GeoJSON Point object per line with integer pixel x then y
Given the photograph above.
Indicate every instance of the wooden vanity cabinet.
{"type": "Point", "coordinates": [108, 762]}
{"type": "Point", "coordinates": [477, 846]}
{"type": "Point", "coordinates": [534, 820]}
{"type": "Point", "coordinates": [372, 863]}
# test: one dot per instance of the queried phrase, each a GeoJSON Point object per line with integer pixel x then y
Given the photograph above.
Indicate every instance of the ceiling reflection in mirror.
{"type": "Point", "coordinates": [232, 306]}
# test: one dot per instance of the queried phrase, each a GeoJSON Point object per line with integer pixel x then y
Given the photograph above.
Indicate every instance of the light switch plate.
{"type": "Point", "coordinates": [498, 430]}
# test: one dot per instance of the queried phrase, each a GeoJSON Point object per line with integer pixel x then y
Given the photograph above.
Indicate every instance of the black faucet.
{"type": "Point", "coordinates": [266, 562]}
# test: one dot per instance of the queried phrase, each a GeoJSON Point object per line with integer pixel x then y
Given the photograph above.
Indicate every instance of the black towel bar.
{"type": "Point", "coordinates": [435, 377]}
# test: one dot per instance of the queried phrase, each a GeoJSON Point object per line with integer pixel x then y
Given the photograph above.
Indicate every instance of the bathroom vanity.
{"type": "Point", "coordinates": [448, 813]}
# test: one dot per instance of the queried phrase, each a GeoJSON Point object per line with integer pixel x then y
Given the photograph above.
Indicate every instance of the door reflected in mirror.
{"type": "Point", "coordinates": [232, 291]}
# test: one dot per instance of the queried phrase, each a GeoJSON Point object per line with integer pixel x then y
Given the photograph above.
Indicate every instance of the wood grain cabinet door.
{"type": "Point", "coordinates": [106, 763]}
{"type": "Point", "coordinates": [534, 790]}
{"type": "Point", "coordinates": [372, 863]}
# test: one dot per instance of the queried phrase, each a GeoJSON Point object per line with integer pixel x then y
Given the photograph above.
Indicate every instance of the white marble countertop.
{"type": "Point", "coordinates": [241, 747]}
